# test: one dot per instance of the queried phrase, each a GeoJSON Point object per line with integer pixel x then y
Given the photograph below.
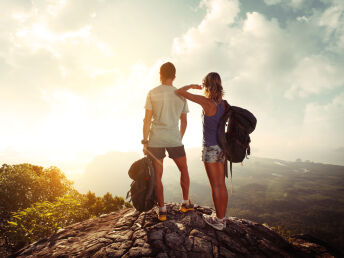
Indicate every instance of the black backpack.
{"type": "Point", "coordinates": [141, 191]}
{"type": "Point", "coordinates": [233, 133]}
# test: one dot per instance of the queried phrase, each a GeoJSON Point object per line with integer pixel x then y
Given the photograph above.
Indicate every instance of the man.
{"type": "Point", "coordinates": [164, 109]}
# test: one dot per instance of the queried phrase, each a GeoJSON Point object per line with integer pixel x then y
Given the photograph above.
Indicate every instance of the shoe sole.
{"type": "Point", "coordinates": [220, 228]}
{"type": "Point", "coordinates": [215, 227]}
{"type": "Point", "coordinates": [182, 209]}
{"type": "Point", "coordinates": [162, 217]}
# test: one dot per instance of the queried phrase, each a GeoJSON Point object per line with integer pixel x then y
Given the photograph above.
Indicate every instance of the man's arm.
{"type": "Point", "coordinates": [146, 126]}
{"type": "Point", "coordinates": [183, 124]}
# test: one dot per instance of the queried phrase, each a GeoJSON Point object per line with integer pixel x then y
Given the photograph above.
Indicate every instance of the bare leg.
{"type": "Point", "coordinates": [184, 176]}
{"type": "Point", "coordinates": [216, 175]}
{"type": "Point", "coordinates": [159, 189]}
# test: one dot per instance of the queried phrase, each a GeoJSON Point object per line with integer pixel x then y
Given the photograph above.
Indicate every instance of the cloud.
{"type": "Point", "coordinates": [267, 68]}
{"type": "Point", "coordinates": [75, 73]}
{"type": "Point", "coordinates": [323, 122]}
{"type": "Point", "coordinates": [290, 3]}
{"type": "Point", "coordinates": [313, 75]}
{"type": "Point", "coordinates": [287, 57]}
{"type": "Point", "coordinates": [272, 2]}
{"type": "Point", "coordinates": [340, 150]}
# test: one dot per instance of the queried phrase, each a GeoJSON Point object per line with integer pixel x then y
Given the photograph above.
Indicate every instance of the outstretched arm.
{"type": "Point", "coordinates": [199, 99]}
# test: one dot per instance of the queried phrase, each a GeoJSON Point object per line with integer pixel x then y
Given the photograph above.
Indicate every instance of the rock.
{"type": "Point", "coordinates": [174, 240]}
{"type": "Point", "coordinates": [200, 245]}
{"type": "Point", "coordinates": [128, 233]}
{"type": "Point", "coordinates": [156, 235]}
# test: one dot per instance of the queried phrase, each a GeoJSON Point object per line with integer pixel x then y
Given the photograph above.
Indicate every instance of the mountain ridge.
{"type": "Point", "coordinates": [129, 233]}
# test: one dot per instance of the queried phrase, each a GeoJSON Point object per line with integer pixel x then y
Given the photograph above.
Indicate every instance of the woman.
{"type": "Point", "coordinates": [212, 155]}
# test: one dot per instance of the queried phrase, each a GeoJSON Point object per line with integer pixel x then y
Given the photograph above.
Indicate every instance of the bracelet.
{"type": "Point", "coordinates": [144, 141]}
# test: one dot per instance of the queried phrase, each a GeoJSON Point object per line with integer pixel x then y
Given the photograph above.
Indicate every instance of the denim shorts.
{"type": "Point", "coordinates": [211, 154]}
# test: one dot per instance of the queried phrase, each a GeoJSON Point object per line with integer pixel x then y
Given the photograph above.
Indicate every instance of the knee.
{"type": "Point", "coordinates": [184, 170]}
{"type": "Point", "coordinates": [219, 185]}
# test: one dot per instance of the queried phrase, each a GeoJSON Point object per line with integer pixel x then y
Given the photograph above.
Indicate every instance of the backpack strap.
{"type": "Point", "coordinates": [150, 193]}
{"type": "Point", "coordinates": [231, 178]}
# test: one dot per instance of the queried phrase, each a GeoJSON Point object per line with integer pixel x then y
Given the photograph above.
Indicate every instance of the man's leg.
{"type": "Point", "coordinates": [157, 156]}
{"type": "Point", "coordinates": [184, 176]}
{"type": "Point", "coordinates": [159, 188]}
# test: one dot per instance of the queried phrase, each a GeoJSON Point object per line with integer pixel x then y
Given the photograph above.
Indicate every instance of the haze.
{"type": "Point", "coordinates": [75, 74]}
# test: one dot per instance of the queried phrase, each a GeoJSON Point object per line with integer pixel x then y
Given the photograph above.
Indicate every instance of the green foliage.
{"type": "Point", "coordinates": [99, 205]}
{"type": "Point", "coordinates": [35, 202]}
{"type": "Point", "coordinates": [283, 232]}
{"type": "Point", "coordinates": [24, 184]}
{"type": "Point", "coordinates": [45, 218]}
{"type": "Point", "coordinates": [42, 219]}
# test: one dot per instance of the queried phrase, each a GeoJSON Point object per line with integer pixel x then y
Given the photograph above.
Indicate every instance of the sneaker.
{"type": "Point", "coordinates": [162, 215]}
{"type": "Point", "coordinates": [214, 221]}
{"type": "Point", "coordinates": [185, 207]}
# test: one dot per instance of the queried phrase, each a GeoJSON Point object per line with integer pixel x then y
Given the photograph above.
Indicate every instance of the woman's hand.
{"type": "Point", "coordinates": [195, 87]}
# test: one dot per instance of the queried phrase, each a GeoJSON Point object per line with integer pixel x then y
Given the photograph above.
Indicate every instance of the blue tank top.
{"type": "Point", "coordinates": [210, 124]}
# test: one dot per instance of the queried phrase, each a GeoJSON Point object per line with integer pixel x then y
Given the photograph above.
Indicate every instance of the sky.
{"type": "Point", "coordinates": [74, 74]}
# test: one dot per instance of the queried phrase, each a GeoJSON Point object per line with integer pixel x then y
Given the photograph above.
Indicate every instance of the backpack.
{"type": "Point", "coordinates": [141, 191]}
{"type": "Point", "coordinates": [233, 134]}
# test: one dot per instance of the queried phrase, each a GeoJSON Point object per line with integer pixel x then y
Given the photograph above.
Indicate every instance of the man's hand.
{"type": "Point", "coordinates": [145, 151]}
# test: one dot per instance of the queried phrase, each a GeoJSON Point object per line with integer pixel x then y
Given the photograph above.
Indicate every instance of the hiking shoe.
{"type": "Point", "coordinates": [185, 207]}
{"type": "Point", "coordinates": [214, 221]}
{"type": "Point", "coordinates": [162, 215]}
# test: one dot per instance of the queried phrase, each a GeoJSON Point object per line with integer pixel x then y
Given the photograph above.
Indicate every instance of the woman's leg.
{"type": "Point", "coordinates": [216, 175]}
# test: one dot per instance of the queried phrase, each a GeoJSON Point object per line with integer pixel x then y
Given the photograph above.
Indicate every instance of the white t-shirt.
{"type": "Point", "coordinates": [167, 107]}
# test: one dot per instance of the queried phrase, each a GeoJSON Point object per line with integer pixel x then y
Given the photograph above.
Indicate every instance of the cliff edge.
{"type": "Point", "coordinates": [128, 233]}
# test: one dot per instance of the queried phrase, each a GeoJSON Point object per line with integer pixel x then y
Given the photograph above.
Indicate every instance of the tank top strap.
{"type": "Point", "coordinates": [220, 104]}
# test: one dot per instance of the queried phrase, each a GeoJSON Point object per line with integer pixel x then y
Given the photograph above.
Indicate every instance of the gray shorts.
{"type": "Point", "coordinates": [173, 152]}
{"type": "Point", "coordinates": [211, 154]}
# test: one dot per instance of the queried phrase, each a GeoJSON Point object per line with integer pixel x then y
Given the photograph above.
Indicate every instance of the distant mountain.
{"type": "Point", "coordinates": [107, 173]}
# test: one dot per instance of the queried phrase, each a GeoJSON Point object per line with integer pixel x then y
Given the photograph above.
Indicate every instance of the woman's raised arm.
{"type": "Point", "coordinates": [199, 99]}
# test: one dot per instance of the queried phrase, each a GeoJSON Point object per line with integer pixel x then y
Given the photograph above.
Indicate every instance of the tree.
{"type": "Point", "coordinates": [43, 219]}
{"type": "Point", "coordinates": [24, 184]}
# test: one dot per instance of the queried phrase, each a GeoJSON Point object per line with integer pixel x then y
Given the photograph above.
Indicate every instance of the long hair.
{"type": "Point", "coordinates": [213, 87]}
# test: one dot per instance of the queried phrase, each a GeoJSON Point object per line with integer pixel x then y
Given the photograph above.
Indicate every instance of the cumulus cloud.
{"type": "Point", "coordinates": [74, 74]}
{"type": "Point", "coordinates": [313, 75]}
{"type": "Point", "coordinates": [323, 122]}
{"type": "Point", "coordinates": [266, 67]}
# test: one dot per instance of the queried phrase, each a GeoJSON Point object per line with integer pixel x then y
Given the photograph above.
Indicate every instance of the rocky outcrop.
{"type": "Point", "coordinates": [128, 233]}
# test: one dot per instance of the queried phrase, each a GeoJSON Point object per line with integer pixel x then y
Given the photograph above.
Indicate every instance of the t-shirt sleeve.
{"type": "Point", "coordinates": [186, 107]}
{"type": "Point", "coordinates": [148, 104]}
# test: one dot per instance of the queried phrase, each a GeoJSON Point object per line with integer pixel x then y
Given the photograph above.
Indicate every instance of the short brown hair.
{"type": "Point", "coordinates": [168, 71]}
{"type": "Point", "coordinates": [213, 87]}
